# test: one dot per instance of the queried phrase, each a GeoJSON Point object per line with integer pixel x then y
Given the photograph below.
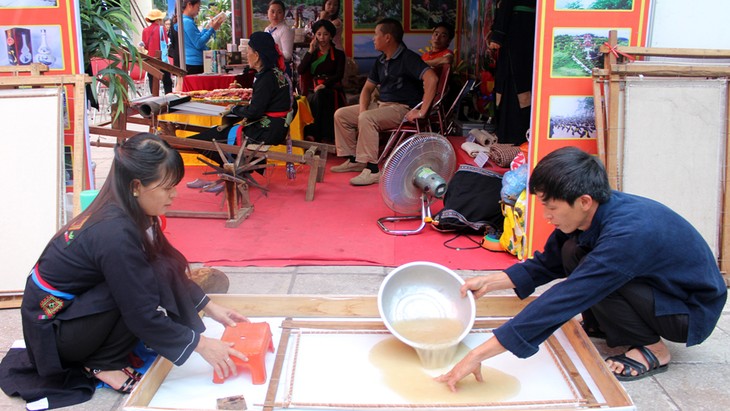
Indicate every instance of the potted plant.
{"type": "Point", "coordinates": [106, 29]}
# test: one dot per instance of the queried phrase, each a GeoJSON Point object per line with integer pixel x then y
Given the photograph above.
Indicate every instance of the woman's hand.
{"type": "Point", "coordinates": [218, 354]}
{"type": "Point", "coordinates": [313, 45]}
{"type": "Point", "coordinates": [224, 315]}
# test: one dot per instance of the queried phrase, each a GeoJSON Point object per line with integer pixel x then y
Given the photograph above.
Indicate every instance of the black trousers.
{"type": "Point", "coordinates": [166, 81]}
{"type": "Point", "coordinates": [100, 341]}
{"type": "Point", "coordinates": [627, 315]}
{"type": "Point", "coordinates": [194, 69]}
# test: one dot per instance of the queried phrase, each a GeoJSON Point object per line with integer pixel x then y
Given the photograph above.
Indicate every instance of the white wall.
{"type": "Point", "coordinates": [690, 24]}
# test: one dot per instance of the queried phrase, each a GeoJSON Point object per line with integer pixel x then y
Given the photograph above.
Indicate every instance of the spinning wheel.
{"type": "Point", "coordinates": [236, 175]}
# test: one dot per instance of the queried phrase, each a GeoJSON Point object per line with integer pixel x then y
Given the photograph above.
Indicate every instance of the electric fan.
{"type": "Point", "coordinates": [413, 175]}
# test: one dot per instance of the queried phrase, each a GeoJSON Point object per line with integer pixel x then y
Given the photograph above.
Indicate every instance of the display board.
{"type": "Point", "coordinates": [33, 177]}
{"type": "Point", "coordinates": [674, 147]}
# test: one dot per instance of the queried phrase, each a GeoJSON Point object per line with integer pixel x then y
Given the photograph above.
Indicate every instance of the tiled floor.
{"type": "Point", "coordinates": [697, 379]}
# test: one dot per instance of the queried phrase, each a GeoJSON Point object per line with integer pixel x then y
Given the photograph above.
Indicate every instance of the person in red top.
{"type": "Point", "coordinates": [441, 38]}
{"type": "Point", "coordinates": [156, 41]}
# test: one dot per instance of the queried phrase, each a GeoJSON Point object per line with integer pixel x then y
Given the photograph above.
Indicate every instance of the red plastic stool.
{"type": "Point", "coordinates": [253, 340]}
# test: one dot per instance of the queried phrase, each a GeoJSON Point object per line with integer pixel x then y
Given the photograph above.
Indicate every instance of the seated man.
{"type": "Point", "coordinates": [402, 77]}
{"type": "Point", "coordinates": [439, 53]}
{"type": "Point", "coordinates": [637, 267]}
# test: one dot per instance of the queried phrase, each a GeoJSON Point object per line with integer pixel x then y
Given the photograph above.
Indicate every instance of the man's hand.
{"type": "Point", "coordinates": [414, 115]}
{"type": "Point", "coordinates": [472, 363]}
{"type": "Point", "coordinates": [468, 365]}
{"type": "Point", "coordinates": [485, 283]}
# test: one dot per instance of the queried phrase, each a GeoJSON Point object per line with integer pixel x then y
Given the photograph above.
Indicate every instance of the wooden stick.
{"type": "Point", "coordinates": [270, 401]}
{"type": "Point", "coordinates": [725, 227]}
{"type": "Point", "coordinates": [612, 144]}
{"type": "Point", "coordinates": [634, 69]}
{"type": "Point", "coordinates": [580, 384]}
{"type": "Point", "coordinates": [596, 367]}
{"type": "Point", "coordinates": [670, 52]}
{"type": "Point", "coordinates": [600, 118]}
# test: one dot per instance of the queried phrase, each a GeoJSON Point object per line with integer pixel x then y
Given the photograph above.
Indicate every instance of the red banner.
{"type": "Point", "coordinates": [568, 36]}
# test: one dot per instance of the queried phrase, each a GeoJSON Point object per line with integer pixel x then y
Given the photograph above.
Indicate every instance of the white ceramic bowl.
{"type": "Point", "coordinates": [427, 294]}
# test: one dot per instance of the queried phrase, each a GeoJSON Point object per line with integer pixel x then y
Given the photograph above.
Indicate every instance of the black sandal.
{"type": "Point", "coordinates": [633, 365]}
{"type": "Point", "coordinates": [127, 386]}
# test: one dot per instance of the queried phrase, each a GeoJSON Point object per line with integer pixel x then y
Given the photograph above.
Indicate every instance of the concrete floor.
{"type": "Point", "coordinates": [695, 379]}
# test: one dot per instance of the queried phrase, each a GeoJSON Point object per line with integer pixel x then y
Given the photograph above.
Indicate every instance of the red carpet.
{"type": "Point", "coordinates": [338, 228]}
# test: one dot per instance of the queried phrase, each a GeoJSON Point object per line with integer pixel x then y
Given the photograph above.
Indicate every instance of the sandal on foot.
{"type": "Point", "coordinates": [631, 365]}
{"type": "Point", "coordinates": [133, 378]}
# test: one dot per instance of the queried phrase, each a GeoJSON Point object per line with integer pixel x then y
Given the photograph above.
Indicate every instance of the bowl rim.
{"type": "Point", "coordinates": [450, 272]}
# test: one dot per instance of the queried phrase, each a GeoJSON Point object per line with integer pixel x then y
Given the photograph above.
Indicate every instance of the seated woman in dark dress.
{"type": "Point", "coordinates": [109, 279]}
{"type": "Point", "coordinates": [322, 69]}
{"type": "Point", "coordinates": [269, 112]}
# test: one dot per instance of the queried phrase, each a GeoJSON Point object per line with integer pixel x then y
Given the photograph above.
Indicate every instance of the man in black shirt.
{"type": "Point", "coordinates": [404, 80]}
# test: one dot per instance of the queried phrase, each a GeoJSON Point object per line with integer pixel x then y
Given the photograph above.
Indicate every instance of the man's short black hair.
{"type": "Point", "coordinates": [568, 173]}
{"type": "Point", "coordinates": [392, 27]}
{"type": "Point", "coordinates": [449, 29]}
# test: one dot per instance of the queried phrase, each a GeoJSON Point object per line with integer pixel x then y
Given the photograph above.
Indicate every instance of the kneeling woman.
{"type": "Point", "coordinates": [267, 116]}
{"type": "Point", "coordinates": [109, 279]}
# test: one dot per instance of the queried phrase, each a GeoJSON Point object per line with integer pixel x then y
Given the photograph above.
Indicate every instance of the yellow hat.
{"type": "Point", "coordinates": [154, 15]}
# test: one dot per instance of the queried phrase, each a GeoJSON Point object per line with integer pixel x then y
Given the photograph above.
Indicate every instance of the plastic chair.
{"type": "Point", "coordinates": [435, 114]}
{"type": "Point", "coordinates": [451, 114]}
{"type": "Point", "coordinates": [253, 340]}
{"type": "Point", "coordinates": [139, 76]}
{"type": "Point", "coordinates": [102, 92]}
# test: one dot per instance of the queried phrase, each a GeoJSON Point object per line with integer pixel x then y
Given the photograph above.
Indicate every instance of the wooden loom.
{"type": "Point", "coordinates": [622, 62]}
{"type": "Point", "coordinates": [327, 313]}
{"type": "Point", "coordinates": [237, 207]}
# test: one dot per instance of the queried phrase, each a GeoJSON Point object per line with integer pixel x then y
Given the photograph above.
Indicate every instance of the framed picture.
{"type": "Point", "coordinates": [595, 5]}
{"type": "Point", "coordinates": [366, 13]}
{"type": "Point", "coordinates": [27, 4]}
{"type": "Point", "coordinates": [572, 117]}
{"type": "Point", "coordinates": [425, 14]}
{"type": "Point", "coordinates": [31, 44]}
{"type": "Point", "coordinates": [576, 50]}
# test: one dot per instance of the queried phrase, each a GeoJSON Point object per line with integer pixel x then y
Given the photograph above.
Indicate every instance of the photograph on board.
{"type": "Point", "coordinates": [576, 50]}
{"type": "Point", "coordinates": [572, 117]}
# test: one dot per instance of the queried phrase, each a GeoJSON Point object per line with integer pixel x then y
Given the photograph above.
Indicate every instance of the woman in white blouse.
{"type": "Point", "coordinates": [283, 35]}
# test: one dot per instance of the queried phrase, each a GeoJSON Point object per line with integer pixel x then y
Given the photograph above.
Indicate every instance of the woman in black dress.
{"type": "Point", "coordinates": [322, 69]}
{"type": "Point", "coordinates": [109, 279]}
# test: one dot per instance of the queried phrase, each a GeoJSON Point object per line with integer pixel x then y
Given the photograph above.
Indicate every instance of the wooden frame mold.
{"type": "Point", "coordinates": [318, 312]}
{"type": "Point", "coordinates": [677, 63]}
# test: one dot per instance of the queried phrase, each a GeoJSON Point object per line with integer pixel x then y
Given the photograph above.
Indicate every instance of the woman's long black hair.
{"type": "Point", "coordinates": [147, 158]}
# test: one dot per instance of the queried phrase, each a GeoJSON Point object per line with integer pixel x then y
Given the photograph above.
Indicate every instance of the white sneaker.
{"type": "Point", "coordinates": [365, 178]}
{"type": "Point", "coordinates": [348, 167]}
